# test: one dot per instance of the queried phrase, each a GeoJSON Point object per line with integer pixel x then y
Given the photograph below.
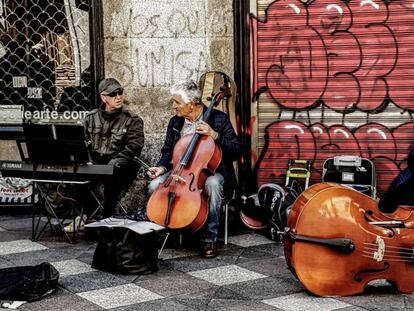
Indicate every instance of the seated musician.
{"type": "Point", "coordinates": [400, 191]}
{"type": "Point", "coordinates": [116, 136]}
{"type": "Point", "coordinates": [186, 101]}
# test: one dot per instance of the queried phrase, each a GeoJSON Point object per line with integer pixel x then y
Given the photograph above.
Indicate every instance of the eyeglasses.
{"type": "Point", "coordinates": [115, 93]}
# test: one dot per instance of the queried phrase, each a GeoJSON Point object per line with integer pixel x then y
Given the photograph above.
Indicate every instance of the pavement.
{"type": "Point", "coordinates": [250, 273]}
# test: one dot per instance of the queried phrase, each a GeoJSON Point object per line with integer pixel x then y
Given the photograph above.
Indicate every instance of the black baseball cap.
{"type": "Point", "coordinates": [109, 85]}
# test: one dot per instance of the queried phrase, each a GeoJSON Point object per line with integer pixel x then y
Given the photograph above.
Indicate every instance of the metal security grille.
{"type": "Point", "coordinates": [330, 79]}
{"type": "Point", "coordinates": [45, 59]}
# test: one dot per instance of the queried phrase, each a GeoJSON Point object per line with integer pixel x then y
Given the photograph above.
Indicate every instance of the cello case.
{"type": "Point", "coordinates": [210, 83]}
{"type": "Point", "coordinates": [338, 241]}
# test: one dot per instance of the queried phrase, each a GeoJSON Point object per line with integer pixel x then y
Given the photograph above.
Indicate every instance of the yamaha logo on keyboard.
{"type": "Point", "coordinates": [11, 165]}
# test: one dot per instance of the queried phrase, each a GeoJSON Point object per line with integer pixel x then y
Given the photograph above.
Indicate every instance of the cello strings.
{"type": "Point", "coordinates": [390, 247]}
{"type": "Point", "coordinates": [407, 254]}
{"type": "Point", "coordinates": [392, 251]}
{"type": "Point", "coordinates": [388, 252]}
{"type": "Point", "coordinates": [370, 256]}
{"type": "Point", "coordinates": [403, 258]}
{"type": "Point", "coordinates": [375, 245]}
{"type": "Point", "coordinates": [396, 251]}
{"type": "Point", "coordinates": [176, 171]}
{"type": "Point", "coordinates": [392, 260]}
{"type": "Point", "coordinates": [398, 258]}
{"type": "Point", "coordinates": [388, 255]}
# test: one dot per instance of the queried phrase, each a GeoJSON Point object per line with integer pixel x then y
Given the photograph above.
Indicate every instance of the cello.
{"type": "Point", "coordinates": [337, 241]}
{"type": "Point", "coordinates": [180, 202]}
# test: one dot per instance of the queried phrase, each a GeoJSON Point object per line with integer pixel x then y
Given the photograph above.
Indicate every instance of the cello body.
{"type": "Point", "coordinates": [338, 241]}
{"type": "Point", "coordinates": [190, 208]}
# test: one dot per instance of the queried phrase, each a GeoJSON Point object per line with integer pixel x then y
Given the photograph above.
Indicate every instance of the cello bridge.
{"type": "Point", "coordinates": [379, 254]}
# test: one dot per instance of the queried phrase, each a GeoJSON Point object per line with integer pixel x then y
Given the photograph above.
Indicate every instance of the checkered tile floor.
{"type": "Point", "coordinates": [250, 273]}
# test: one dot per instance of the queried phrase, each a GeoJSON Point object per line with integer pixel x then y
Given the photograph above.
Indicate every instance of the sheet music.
{"type": "Point", "coordinates": [140, 227]}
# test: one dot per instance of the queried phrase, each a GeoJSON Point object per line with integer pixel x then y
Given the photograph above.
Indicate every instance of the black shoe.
{"type": "Point", "coordinates": [209, 250]}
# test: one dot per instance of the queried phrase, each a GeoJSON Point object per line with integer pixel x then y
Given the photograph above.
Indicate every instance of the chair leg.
{"type": "Point", "coordinates": [163, 244]}
{"type": "Point", "coordinates": [100, 205]}
{"type": "Point", "coordinates": [226, 222]}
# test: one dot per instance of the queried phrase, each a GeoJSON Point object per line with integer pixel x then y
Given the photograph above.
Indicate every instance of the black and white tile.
{"type": "Point", "coordinates": [250, 273]}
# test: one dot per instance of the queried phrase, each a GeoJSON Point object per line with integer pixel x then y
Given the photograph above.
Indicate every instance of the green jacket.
{"type": "Point", "coordinates": [115, 135]}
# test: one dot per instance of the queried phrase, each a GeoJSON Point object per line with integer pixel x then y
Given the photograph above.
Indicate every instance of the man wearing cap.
{"type": "Point", "coordinates": [116, 136]}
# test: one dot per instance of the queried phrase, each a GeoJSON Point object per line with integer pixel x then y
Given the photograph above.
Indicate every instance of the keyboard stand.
{"type": "Point", "coordinates": [100, 205]}
{"type": "Point", "coordinates": [49, 212]}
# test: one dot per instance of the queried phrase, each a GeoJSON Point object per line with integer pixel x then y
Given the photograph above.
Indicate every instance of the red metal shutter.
{"type": "Point", "coordinates": [332, 78]}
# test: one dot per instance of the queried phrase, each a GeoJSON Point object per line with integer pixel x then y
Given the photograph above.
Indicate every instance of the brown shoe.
{"type": "Point", "coordinates": [209, 250]}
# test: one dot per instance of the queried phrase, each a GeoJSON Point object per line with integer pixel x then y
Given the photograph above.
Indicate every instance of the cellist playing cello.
{"type": "Point", "coordinates": [186, 101]}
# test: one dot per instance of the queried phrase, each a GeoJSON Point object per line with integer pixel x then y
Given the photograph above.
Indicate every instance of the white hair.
{"type": "Point", "coordinates": [188, 90]}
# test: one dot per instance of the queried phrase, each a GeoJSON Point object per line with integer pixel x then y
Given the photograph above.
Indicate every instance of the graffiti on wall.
{"type": "Point", "coordinates": [169, 45]}
{"type": "Point", "coordinates": [352, 63]}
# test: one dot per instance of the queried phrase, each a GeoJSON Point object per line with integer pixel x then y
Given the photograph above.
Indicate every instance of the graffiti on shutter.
{"type": "Point", "coordinates": [332, 78]}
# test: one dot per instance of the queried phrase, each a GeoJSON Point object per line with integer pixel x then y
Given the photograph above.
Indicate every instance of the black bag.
{"type": "Point", "coordinates": [271, 197]}
{"type": "Point", "coordinates": [278, 203]}
{"type": "Point", "coordinates": [27, 283]}
{"type": "Point", "coordinates": [121, 250]}
{"type": "Point", "coordinates": [400, 192]}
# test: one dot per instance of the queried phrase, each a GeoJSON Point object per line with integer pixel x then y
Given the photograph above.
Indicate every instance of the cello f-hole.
{"type": "Point", "coordinates": [359, 276]}
{"type": "Point", "coordinates": [190, 186]}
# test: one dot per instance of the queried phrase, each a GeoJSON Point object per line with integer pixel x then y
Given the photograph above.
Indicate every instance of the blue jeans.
{"type": "Point", "coordinates": [214, 190]}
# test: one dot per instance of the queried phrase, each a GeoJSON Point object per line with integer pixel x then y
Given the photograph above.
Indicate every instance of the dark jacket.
{"type": "Point", "coordinates": [227, 140]}
{"type": "Point", "coordinates": [115, 135]}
